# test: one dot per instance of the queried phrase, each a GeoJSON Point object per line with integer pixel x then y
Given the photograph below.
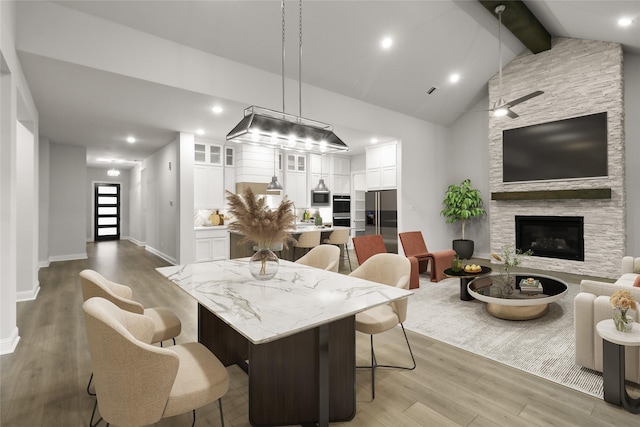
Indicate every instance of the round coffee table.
{"type": "Point", "coordinates": [517, 305]}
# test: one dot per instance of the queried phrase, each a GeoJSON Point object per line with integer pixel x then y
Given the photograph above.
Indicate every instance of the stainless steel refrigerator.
{"type": "Point", "coordinates": [382, 217]}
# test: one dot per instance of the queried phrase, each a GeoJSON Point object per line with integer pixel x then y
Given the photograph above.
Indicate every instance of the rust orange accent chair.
{"type": "Point", "coordinates": [416, 250]}
{"type": "Point", "coordinates": [367, 246]}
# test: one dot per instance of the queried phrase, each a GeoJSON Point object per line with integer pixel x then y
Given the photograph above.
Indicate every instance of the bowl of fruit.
{"type": "Point", "coordinates": [473, 268]}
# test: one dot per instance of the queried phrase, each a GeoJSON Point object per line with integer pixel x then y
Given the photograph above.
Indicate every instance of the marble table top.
{"type": "Point", "coordinates": [298, 298]}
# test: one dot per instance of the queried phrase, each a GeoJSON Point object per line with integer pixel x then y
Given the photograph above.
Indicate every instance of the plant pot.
{"type": "Point", "coordinates": [464, 248]}
{"type": "Point", "coordinates": [264, 264]}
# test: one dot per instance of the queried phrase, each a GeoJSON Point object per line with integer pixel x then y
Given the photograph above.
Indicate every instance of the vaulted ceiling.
{"type": "Point", "coordinates": [432, 40]}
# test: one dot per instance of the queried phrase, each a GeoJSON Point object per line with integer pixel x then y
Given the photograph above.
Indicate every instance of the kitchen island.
{"type": "Point", "coordinates": [241, 251]}
{"type": "Point", "coordinates": [295, 333]}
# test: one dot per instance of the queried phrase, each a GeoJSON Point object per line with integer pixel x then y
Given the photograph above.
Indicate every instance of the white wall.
{"type": "Point", "coordinates": [468, 157]}
{"type": "Point", "coordinates": [68, 202]}
{"type": "Point", "coordinates": [137, 208]}
{"type": "Point", "coordinates": [43, 202]}
{"type": "Point", "coordinates": [16, 104]}
{"type": "Point", "coordinates": [27, 207]}
{"type": "Point", "coordinates": [99, 175]}
{"type": "Point", "coordinates": [632, 153]}
{"type": "Point", "coordinates": [162, 202]}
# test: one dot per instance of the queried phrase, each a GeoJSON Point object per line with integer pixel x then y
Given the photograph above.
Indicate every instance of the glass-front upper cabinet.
{"type": "Point", "coordinates": [209, 154]}
{"type": "Point", "coordinates": [228, 156]}
{"type": "Point", "coordinates": [296, 162]}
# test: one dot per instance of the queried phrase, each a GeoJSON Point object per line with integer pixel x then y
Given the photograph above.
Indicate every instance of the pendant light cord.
{"type": "Point", "coordinates": [300, 61]}
{"type": "Point", "coordinates": [283, 33]}
{"type": "Point", "coordinates": [499, 10]}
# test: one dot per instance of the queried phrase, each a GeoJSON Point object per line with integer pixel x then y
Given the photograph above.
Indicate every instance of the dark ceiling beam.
{"type": "Point", "coordinates": [522, 23]}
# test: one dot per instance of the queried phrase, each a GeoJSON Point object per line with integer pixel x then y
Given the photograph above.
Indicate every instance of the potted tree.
{"type": "Point", "coordinates": [462, 203]}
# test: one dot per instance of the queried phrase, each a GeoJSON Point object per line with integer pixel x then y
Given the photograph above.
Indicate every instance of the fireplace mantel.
{"type": "Point", "coordinates": [588, 193]}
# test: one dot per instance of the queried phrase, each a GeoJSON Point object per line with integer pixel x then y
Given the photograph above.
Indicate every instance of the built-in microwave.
{"type": "Point", "coordinates": [320, 198]}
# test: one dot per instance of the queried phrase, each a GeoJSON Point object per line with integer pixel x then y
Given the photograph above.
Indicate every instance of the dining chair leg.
{"type": "Point", "coordinates": [374, 362]}
{"type": "Point", "coordinates": [221, 416]}
{"type": "Point", "coordinates": [346, 249]}
{"type": "Point", "coordinates": [89, 385]}
{"type": "Point", "coordinates": [93, 413]}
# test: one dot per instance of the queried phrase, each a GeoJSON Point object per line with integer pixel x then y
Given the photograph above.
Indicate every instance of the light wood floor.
{"type": "Point", "coordinates": [44, 380]}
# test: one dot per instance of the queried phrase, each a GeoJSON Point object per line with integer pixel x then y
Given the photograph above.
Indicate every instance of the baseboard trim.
{"type": "Point", "coordinates": [137, 242]}
{"type": "Point", "coordinates": [44, 264]}
{"type": "Point", "coordinates": [70, 257]}
{"type": "Point", "coordinates": [9, 344]}
{"type": "Point", "coordinates": [28, 295]}
{"type": "Point", "coordinates": [161, 255]}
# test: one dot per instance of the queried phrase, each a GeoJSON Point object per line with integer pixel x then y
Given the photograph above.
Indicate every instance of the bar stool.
{"type": "Point", "coordinates": [307, 240]}
{"type": "Point", "coordinates": [339, 238]}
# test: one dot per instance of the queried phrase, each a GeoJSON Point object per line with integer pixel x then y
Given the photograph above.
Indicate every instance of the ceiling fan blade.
{"type": "Point", "coordinates": [511, 114]}
{"type": "Point", "coordinates": [524, 98]}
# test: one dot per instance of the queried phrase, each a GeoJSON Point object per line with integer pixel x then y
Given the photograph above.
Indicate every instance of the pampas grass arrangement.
{"type": "Point", "coordinates": [257, 222]}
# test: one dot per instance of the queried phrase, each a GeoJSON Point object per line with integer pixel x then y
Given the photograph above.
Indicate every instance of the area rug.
{"type": "Point", "coordinates": [543, 347]}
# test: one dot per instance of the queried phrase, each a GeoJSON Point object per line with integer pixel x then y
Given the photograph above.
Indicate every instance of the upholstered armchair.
{"type": "Point", "coordinates": [416, 250]}
{"type": "Point", "coordinates": [136, 383]}
{"type": "Point", "coordinates": [326, 257]}
{"type": "Point", "coordinates": [166, 324]}
{"type": "Point", "coordinates": [592, 305]}
{"type": "Point", "coordinates": [367, 246]}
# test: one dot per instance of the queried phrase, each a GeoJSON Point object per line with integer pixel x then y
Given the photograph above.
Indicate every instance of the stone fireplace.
{"type": "Point", "coordinates": [578, 77]}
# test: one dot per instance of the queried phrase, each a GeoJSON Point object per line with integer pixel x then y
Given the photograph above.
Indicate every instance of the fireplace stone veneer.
{"type": "Point", "coordinates": [578, 77]}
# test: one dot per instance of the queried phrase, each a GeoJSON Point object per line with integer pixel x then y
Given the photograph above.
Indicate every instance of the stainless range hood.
{"type": "Point", "coordinates": [277, 129]}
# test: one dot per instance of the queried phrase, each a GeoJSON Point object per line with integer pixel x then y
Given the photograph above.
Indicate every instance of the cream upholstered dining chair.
{"type": "Point", "coordinates": [340, 237]}
{"type": "Point", "coordinates": [392, 270]}
{"type": "Point", "coordinates": [166, 325]}
{"type": "Point", "coordinates": [136, 383]}
{"type": "Point", "coordinates": [307, 240]}
{"type": "Point", "coordinates": [326, 257]}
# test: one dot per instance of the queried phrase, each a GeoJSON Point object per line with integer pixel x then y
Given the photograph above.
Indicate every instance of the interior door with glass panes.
{"type": "Point", "coordinates": [107, 212]}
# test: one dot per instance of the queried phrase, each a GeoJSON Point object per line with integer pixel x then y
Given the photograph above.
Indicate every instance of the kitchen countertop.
{"type": "Point", "coordinates": [212, 227]}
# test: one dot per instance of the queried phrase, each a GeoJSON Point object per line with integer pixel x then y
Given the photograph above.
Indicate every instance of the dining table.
{"type": "Point", "coordinates": [294, 334]}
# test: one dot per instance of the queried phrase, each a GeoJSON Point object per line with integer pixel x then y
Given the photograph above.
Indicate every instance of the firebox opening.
{"type": "Point", "coordinates": [551, 236]}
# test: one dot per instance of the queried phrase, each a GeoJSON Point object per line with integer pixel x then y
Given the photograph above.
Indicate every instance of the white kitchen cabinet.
{"type": "Point", "coordinates": [320, 164]}
{"type": "Point", "coordinates": [296, 162]}
{"type": "Point", "coordinates": [212, 244]}
{"type": "Point", "coordinates": [207, 154]}
{"type": "Point", "coordinates": [208, 183]}
{"type": "Point", "coordinates": [341, 166]}
{"type": "Point", "coordinates": [381, 167]}
{"type": "Point", "coordinates": [295, 187]}
{"type": "Point", "coordinates": [341, 184]}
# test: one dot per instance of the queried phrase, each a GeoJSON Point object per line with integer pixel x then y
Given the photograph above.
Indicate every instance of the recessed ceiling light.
{"type": "Point", "coordinates": [386, 42]}
{"type": "Point", "coordinates": [374, 140]}
{"type": "Point", "coordinates": [454, 78]}
{"type": "Point", "coordinates": [131, 139]}
{"type": "Point", "coordinates": [200, 132]}
{"type": "Point", "coordinates": [625, 22]}
{"type": "Point", "coordinates": [217, 109]}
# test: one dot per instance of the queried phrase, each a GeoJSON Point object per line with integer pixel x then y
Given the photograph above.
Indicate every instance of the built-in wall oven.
{"type": "Point", "coordinates": [342, 211]}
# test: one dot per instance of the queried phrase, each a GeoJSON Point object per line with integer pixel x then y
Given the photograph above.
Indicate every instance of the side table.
{"type": "Point", "coordinates": [465, 278]}
{"type": "Point", "coordinates": [613, 345]}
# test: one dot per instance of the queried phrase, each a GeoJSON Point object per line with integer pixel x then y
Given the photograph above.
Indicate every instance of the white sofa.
{"type": "Point", "coordinates": [592, 305]}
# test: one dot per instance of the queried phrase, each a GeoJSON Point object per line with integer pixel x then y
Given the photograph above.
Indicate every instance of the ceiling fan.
{"type": "Point", "coordinates": [502, 108]}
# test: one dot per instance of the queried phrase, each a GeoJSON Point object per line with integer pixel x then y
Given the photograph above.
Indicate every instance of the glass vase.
{"type": "Point", "coordinates": [508, 284]}
{"type": "Point", "coordinates": [621, 320]}
{"type": "Point", "coordinates": [264, 264]}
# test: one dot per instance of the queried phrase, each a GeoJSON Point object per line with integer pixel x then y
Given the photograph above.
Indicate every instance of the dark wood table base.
{"type": "Point", "coordinates": [613, 373]}
{"type": "Point", "coordinates": [286, 376]}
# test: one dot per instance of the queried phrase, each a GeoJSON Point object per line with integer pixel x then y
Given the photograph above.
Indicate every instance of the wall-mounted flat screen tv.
{"type": "Point", "coordinates": [564, 149]}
